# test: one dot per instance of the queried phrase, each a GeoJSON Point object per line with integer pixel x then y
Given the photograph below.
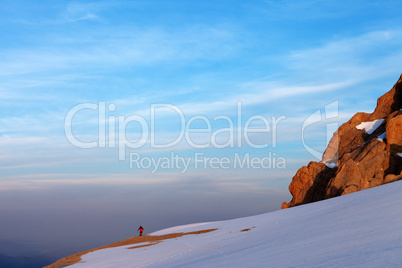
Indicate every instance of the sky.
{"type": "Point", "coordinates": [161, 113]}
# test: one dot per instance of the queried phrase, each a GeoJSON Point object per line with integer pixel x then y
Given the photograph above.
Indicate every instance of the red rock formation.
{"type": "Point", "coordinates": [361, 160]}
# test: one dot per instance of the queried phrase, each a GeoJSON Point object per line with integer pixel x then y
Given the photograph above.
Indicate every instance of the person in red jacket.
{"type": "Point", "coordinates": [140, 230]}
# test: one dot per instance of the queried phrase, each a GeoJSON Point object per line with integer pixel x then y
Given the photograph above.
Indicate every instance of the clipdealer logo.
{"type": "Point", "coordinates": [181, 163]}
{"type": "Point", "coordinates": [219, 132]}
{"type": "Point", "coordinates": [112, 129]}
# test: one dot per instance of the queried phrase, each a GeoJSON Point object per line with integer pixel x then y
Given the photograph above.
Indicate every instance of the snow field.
{"type": "Point", "coordinates": [362, 229]}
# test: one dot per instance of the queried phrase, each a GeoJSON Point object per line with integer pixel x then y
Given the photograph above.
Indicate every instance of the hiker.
{"type": "Point", "coordinates": [140, 230]}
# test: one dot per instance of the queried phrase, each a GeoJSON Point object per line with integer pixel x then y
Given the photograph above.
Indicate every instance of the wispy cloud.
{"type": "Point", "coordinates": [200, 181]}
{"type": "Point", "coordinates": [81, 11]}
{"type": "Point", "coordinates": [314, 9]}
{"type": "Point", "coordinates": [49, 180]}
{"type": "Point", "coordinates": [356, 57]}
{"type": "Point", "coordinates": [133, 47]}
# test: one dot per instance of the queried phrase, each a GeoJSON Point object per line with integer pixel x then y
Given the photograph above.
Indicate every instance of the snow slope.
{"type": "Point", "coordinates": [362, 229]}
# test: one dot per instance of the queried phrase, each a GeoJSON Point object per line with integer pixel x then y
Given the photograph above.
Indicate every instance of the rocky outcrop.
{"type": "Point", "coordinates": [364, 152]}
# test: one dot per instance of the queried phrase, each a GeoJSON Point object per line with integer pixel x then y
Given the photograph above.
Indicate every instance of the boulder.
{"type": "Point", "coordinates": [362, 159]}
{"type": "Point", "coordinates": [394, 133]}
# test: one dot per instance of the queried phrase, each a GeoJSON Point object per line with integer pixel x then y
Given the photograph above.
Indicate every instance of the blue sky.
{"type": "Point", "coordinates": [275, 59]}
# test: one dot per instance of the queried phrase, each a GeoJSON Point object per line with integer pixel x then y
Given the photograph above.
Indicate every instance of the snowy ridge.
{"type": "Point", "coordinates": [362, 229]}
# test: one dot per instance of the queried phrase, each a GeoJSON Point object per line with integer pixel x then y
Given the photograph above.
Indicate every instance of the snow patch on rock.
{"type": "Point", "coordinates": [371, 126]}
{"type": "Point", "coordinates": [329, 164]}
{"type": "Point", "coordinates": [382, 136]}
